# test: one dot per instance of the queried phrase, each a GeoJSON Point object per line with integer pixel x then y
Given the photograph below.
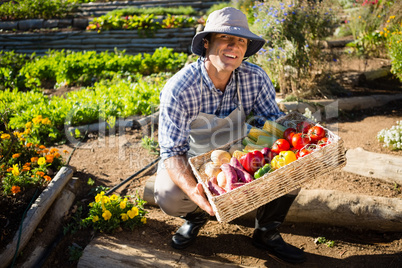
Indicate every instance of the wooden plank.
{"type": "Point", "coordinates": [108, 252]}
{"type": "Point", "coordinates": [36, 213]}
{"type": "Point", "coordinates": [374, 165]}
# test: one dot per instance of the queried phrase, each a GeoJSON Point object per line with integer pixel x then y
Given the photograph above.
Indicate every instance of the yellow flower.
{"type": "Point", "coordinates": [28, 125]}
{"type": "Point", "coordinates": [144, 220]}
{"type": "Point", "coordinates": [5, 136]}
{"type": "Point", "coordinates": [98, 198]}
{"type": "Point", "coordinates": [106, 215]}
{"type": "Point", "coordinates": [114, 197]}
{"type": "Point", "coordinates": [133, 212]}
{"type": "Point", "coordinates": [16, 155]}
{"type": "Point", "coordinates": [105, 199]}
{"type": "Point", "coordinates": [123, 204]}
{"type": "Point", "coordinates": [392, 17]}
{"type": "Point", "coordinates": [27, 131]}
{"type": "Point", "coordinates": [360, 17]}
{"type": "Point", "coordinates": [91, 204]}
{"type": "Point", "coordinates": [95, 218]}
{"type": "Point", "coordinates": [46, 121]}
{"type": "Point", "coordinates": [15, 170]}
{"type": "Point", "coordinates": [15, 189]}
{"type": "Point", "coordinates": [124, 216]}
{"type": "Point", "coordinates": [41, 161]}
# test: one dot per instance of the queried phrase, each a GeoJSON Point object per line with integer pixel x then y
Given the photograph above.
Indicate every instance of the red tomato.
{"type": "Point", "coordinates": [303, 127]}
{"type": "Point", "coordinates": [280, 145]}
{"type": "Point", "coordinates": [299, 140]}
{"type": "Point", "coordinates": [316, 133]}
{"type": "Point", "coordinates": [303, 152]}
{"type": "Point", "coordinates": [288, 133]}
{"type": "Point", "coordinates": [322, 142]}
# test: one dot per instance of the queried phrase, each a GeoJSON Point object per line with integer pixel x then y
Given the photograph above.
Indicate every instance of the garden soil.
{"type": "Point", "coordinates": [111, 158]}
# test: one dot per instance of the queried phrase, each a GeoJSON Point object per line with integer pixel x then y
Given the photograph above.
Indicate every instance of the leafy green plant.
{"type": "Point", "coordinates": [37, 9]}
{"type": "Point", "coordinates": [69, 68]}
{"type": "Point", "coordinates": [392, 137]}
{"type": "Point", "coordinates": [292, 30]}
{"type": "Point", "coordinates": [180, 10]}
{"type": "Point", "coordinates": [107, 214]}
{"type": "Point", "coordinates": [393, 34]}
{"type": "Point", "coordinates": [323, 240]}
{"type": "Point", "coordinates": [75, 252]}
{"type": "Point", "coordinates": [150, 144]}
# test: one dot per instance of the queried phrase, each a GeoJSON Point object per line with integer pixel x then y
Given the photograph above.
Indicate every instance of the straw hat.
{"type": "Point", "coordinates": [231, 21]}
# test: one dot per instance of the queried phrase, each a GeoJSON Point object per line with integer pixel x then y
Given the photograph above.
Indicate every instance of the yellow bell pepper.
{"type": "Point", "coordinates": [282, 159]}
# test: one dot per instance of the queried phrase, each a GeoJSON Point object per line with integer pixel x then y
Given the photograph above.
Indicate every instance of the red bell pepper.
{"type": "Point", "coordinates": [252, 161]}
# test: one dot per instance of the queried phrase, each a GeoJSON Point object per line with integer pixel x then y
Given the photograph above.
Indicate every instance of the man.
{"type": "Point", "coordinates": [204, 106]}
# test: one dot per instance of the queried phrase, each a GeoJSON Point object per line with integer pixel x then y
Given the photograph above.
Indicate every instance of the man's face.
{"type": "Point", "coordinates": [226, 52]}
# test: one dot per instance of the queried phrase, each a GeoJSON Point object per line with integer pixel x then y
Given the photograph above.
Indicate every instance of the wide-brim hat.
{"type": "Point", "coordinates": [231, 21]}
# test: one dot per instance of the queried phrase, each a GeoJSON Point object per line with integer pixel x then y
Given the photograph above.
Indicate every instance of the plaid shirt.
{"type": "Point", "coordinates": [181, 102]}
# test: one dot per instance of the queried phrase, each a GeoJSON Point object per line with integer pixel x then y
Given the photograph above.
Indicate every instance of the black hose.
{"type": "Point", "coordinates": [132, 176]}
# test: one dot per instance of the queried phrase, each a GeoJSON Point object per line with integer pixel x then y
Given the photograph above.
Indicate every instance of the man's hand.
{"type": "Point", "coordinates": [181, 174]}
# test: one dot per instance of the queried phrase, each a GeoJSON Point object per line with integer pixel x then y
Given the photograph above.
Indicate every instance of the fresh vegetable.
{"type": "Point", "coordinates": [288, 134]}
{"type": "Point", "coordinates": [303, 127]}
{"type": "Point", "coordinates": [268, 154]}
{"type": "Point", "coordinates": [323, 142]}
{"type": "Point", "coordinates": [299, 140]}
{"type": "Point", "coordinates": [280, 145]}
{"type": "Point", "coordinates": [255, 132]}
{"type": "Point", "coordinates": [220, 157]}
{"type": "Point", "coordinates": [266, 141]}
{"type": "Point", "coordinates": [252, 161]}
{"type": "Point", "coordinates": [238, 154]}
{"type": "Point", "coordinates": [274, 128]}
{"type": "Point", "coordinates": [316, 133]}
{"type": "Point", "coordinates": [235, 147]}
{"type": "Point", "coordinates": [221, 179]}
{"type": "Point", "coordinates": [212, 169]}
{"type": "Point", "coordinates": [282, 159]}
{"type": "Point", "coordinates": [231, 176]}
{"type": "Point", "coordinates": [249, 142]}
{"type": "Point", "coordinates": [262, 171]}
{"type": "Point", "coordinates": [242, 174]}
{"type": "Point", "coordinates": [214, 187]}
{"type": "Point", "coordinates": [303, 152]}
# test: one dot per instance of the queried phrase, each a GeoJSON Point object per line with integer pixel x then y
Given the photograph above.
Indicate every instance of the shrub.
{"type": "Point", "coordinates": [292, 32]}
{"type": "Point", "coordinates": [107, 214]}
{"type": "Point", "coordinates": [393, 34]}
{"type": "Point", "coordinates": [23, 162]}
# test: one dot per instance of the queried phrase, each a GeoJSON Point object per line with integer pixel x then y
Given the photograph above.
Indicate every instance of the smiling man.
{"type": "Point", "coordinates": [205, 106]}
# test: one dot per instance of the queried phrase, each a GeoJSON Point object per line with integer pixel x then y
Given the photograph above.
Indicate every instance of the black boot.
{"type": "Point", "coordinates": [187, 233]}
{"type": "Point", "coordinates": [266, 235]}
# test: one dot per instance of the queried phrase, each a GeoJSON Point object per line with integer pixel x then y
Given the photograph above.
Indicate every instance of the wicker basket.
{"type": "Point", "coordinates": [250, 196]}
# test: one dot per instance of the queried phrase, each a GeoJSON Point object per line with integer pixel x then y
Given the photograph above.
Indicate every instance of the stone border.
{"type": "Point", "coordinates": [31, 24]}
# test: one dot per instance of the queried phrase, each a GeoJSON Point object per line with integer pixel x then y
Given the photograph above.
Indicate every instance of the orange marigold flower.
{"type": "Point", "coordinates": [9, 169]}
{"type": "Point", "coordinates": [45, 151]}
{"type": "Point", "coordinates": [29, 144]}
{"type": "Point", "coordinates": [25, 168]}
{"type": "Point", "coordinates": [40, 173]}
{"type": "Point", "coordinates": [42, 147]}
{"type": "Point", "coordinates": [53, 150]}
{"type": "Point", "coordinates": [15, 189]}
{"type": "Point", "coordinates": [49, 158]}
{"type": "Point", "coordinates": [65, 151]}
{"type": "Point", "coordinates": [16, 155]}
{"type": "Point", "coordinates": [34, 159]}
{"type": "Point", "coordinates": [27, 164]}
{"type": "Point", "coordinates": [47, 178]}
{"type": "Point", "coordinates": [57, 155]}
